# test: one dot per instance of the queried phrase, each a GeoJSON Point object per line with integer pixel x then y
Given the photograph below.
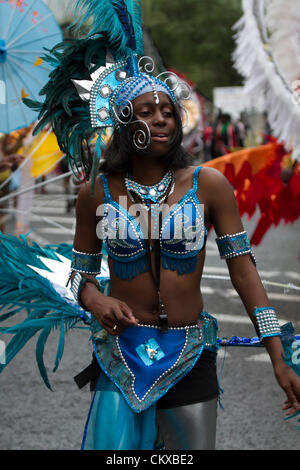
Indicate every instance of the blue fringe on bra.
{"type": "Point", "coordinates": [182, 266]}
{"type": "Point", "coordinates": [130, 269]}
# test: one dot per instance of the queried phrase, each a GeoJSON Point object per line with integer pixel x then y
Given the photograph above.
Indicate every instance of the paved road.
{"type": "Point", "coordinates": [34, 418]}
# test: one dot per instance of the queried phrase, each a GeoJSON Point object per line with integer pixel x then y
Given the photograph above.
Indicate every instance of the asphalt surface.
{"type": "Point", "coordinates": [34, 418]}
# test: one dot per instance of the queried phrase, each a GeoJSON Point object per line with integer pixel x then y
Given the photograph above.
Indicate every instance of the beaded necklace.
{"type": "Point", "coordinates": [152, 196]}
{"type": "Point", "coordinates": [152, 193]}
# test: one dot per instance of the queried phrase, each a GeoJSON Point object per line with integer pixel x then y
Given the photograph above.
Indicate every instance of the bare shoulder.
{"type": "Point", "coordinates": [214, 184]}
{"type": "Point", "coordinates": [212, 177]}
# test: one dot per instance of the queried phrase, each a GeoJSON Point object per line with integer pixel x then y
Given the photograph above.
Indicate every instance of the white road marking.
{"type": "Point", "coordinates": [293, 275]}
{"type": "Point", "coordinates": [59, 219]}
{"type": "Point", "coordinates": [56, 231]}
{"type": "Point", "coordinates": [272, 296]}
{"type": "Point", "coordinates": [48, 210]}
{"type": "Point", "coordinates": [262, 357]}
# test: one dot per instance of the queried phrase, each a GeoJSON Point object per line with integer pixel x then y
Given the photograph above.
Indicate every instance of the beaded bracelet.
{"type": "Point", "coordinates": [237, 244]}
{"type": "Point", "coordinates": [267, 322]}
{"type": "Point", "coordinates": [87, 263]}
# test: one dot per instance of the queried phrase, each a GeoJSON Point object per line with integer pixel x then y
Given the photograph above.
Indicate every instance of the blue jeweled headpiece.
{"type": "Point", "coordinates": [112, 88]}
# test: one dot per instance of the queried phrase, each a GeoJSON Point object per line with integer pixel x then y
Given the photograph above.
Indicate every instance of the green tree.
{"type": "Point", "coordinates": [195, 37]}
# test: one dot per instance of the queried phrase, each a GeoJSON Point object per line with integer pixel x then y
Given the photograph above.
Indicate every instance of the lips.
{"type": "Point", "coordinates": [160, 137]}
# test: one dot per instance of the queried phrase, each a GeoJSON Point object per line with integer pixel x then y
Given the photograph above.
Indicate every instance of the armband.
{"type": "Point", "coordinates": [234, 245]}
{"type": "Point", "coordinates": [87, 263]}
{"type": "Point", "coordinates": [267, 322]}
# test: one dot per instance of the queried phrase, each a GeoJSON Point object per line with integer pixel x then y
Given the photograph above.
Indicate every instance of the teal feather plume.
{"type": "Point", "coordinates": [24, 292]}
{"type": "Point", "coordinates": [62, 107]}
{"type": "Point", "coordinates": [46, 311]}
{"type": "Point", "coordinates": [40, 348]}
{"type": "Point", "coordinates": [120, 19]}
{"type": "Point", "coordinates": [100, 145]}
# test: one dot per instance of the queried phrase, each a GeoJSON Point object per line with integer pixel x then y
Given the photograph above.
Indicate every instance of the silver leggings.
{"type": "Point", "coordinates": [190, 427]}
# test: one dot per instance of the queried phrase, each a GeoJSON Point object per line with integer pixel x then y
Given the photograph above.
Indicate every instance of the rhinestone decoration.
{"type": "Point", "coordinates": [107, 76]}
{"type": "Point", "coordinates": [121, 75]}
{"type": "Point", "coordinates": [103, 114]}
{"type": "Point", "coordinates": [150, 352]}
{"type": "Point", "coordinates": [105, 91]}
{"type": "Point", "coordinates": [152, 193]}
{"type": "Point", "coordinates": [267, 322]}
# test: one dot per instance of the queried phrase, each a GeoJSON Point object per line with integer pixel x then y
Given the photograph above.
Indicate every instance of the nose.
{"type": "Point", "coordinates": [159, 118]}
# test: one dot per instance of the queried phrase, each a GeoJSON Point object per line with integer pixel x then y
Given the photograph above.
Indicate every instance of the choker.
{"type": "Point", "coordinates": [151, 194]}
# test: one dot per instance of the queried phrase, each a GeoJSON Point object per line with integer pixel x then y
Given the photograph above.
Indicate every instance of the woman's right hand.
{"type": "Point", "coordinates": [112, 314]}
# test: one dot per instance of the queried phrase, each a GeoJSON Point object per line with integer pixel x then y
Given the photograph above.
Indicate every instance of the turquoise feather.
{"type": "Point", "coordinates": [21, 289]}
{"type": "Point", "coordinates": [60, 347]}
{"type": "Point", "coordinates": [40, 347]}
{"type": "Point", "coordinates": [120, 19]}
{"type": "Point", "coordinates": [62, 107]}
{"type": "Point", "coordinates": [46, 311]}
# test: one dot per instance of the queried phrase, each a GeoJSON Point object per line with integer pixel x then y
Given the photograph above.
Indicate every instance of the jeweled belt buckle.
{"type": "Point", "coordinates": [150, 352]}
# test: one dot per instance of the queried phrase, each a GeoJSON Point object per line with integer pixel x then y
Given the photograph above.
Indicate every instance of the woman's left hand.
{"type": "Point", "coordinates": [290, 383]}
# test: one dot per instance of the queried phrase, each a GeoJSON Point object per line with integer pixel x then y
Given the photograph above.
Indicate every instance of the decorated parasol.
{"type": "Point", "coordinates": [26, 28]}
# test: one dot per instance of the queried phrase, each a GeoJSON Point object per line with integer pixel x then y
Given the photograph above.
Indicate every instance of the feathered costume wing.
{"type": "Point", "coordinates": [255, 174]}
{"type": "Point", "coordinates": [268, 56]}
{"type": "Point", "coordinates": [33, 284]}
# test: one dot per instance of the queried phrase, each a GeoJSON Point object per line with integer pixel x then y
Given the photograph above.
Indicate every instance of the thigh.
{"type": "Point", "coordinates": [189, 427]}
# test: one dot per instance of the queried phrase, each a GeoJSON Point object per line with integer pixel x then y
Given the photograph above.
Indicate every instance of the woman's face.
{"type": "Point", "coordinates": [160, 119]}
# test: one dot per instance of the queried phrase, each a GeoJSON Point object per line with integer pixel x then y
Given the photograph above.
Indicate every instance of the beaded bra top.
{"type": "Point", "coordinates": [182, 235]}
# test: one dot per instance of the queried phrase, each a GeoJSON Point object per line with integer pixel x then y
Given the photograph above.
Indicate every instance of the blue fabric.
{"type": "Point", "coordinates": [182, 237]}
{"type": "Point", "coordinates": [112, 425]}
{"type": "Point", "coordinates": [170, 345]}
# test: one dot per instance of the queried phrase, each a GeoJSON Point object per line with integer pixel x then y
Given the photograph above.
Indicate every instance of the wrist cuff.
{"type": "Point", "coordinates": [267, 322]}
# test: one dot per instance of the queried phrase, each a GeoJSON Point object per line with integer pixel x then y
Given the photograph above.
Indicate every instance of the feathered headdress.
{"type": "Point", "coordinates": [85, 95]}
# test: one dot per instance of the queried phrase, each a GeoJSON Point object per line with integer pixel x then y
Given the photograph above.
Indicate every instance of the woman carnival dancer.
{"type": "Point", "coordinates": [150, 211]}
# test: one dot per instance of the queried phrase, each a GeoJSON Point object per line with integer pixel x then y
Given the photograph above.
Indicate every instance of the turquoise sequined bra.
{"type": "Point", "coordinates": [182, 235]}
